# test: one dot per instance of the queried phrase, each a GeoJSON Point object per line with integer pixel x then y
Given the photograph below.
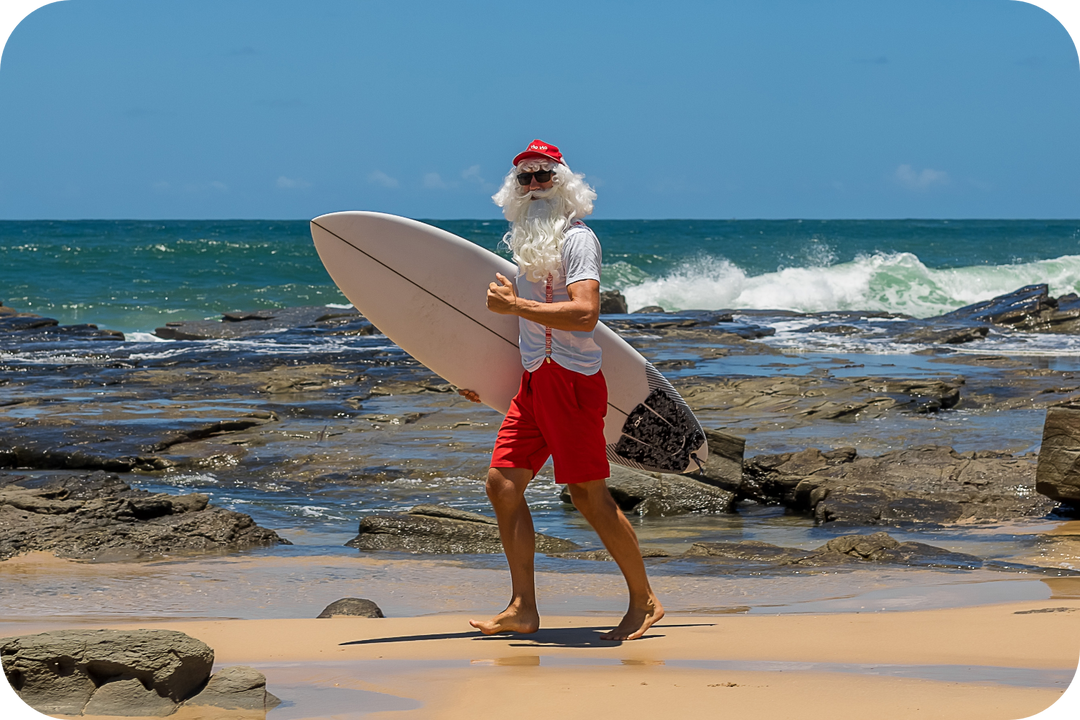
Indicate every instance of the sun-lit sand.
{"type": "Point", "coordinates": [1008, 660]}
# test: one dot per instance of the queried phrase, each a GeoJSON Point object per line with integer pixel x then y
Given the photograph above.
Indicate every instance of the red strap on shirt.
{"type": "Point", "coordinates": [549, 296]}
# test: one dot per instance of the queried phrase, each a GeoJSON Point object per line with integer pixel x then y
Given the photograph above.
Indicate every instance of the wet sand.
{"type": "Point", "coordinates": [829, 645]}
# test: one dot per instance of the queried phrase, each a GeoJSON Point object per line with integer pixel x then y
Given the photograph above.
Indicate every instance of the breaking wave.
{"type": "Point", "coordinates": [891, 282]}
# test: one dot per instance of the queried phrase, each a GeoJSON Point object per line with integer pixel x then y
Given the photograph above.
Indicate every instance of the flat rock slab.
{"type": "Point", "coordinates": [811, 398]}
{"type": "Point", "coordinates": [440, 533]}
{"type": "Point", "coordinates": [662, 494]}
{"type": "Point", "coordinates": [874, 548]}
{"type": "Point", "coordinates": [23, 327]}
{"type": "Point", "coordinates": [99, 517]}
{"type": "Point", "coordinates": [926, 484]}
{"type": "Point", "coordinates": [256, 322]}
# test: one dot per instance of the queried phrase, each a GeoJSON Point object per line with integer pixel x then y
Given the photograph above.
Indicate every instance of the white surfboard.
{"type": "Point", "coordinates": [425, 289]}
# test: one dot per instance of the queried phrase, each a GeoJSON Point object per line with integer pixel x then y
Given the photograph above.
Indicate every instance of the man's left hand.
{"type": "Point", "coordinates": [501, 297]}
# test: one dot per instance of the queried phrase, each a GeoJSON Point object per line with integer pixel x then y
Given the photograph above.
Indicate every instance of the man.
{"type": "Point", "coordinates": [560, 406]}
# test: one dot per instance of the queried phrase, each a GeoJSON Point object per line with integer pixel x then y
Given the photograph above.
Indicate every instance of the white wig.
{"type": "Point", "coordinates": [539, 219]}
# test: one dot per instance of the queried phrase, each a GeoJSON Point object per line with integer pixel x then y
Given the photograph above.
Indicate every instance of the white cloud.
{"type": "Point", "coordinates": [292, 183]}
{"type": "Point", "coordinates": [473, 173]}
{"type": "Point", "coordinates": [434, 181]}
{"type": "Point", "coordinates": [911, 179]}
{"type": "Point", "coordinates": [380, 178]}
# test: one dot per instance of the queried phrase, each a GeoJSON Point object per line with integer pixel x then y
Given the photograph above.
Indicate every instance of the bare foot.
{"type": "Point", "coordinates": [512, 619]}
{"type": "Point", "coordinates": [637, 621]}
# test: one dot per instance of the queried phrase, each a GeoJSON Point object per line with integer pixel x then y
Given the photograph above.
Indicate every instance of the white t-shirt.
{"type": "Point", "coordinates": [575, 351]}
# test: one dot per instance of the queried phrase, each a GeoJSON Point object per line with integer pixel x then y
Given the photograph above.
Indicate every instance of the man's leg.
{"type": "Point", "coordinates": [506, 490]}
{"type": "Point", "coordinates": [596, 504]}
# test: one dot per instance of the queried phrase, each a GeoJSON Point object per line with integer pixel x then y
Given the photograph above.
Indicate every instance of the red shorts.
{"type": "Point", "coordinates": [557, 413]}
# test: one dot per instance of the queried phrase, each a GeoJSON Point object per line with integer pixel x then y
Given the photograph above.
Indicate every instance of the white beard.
{"type": "Point", "coordinates": [536, 234]}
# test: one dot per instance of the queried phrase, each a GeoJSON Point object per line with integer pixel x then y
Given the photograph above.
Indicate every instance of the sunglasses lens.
{"type": "Point", "coordinates": [542, 176]}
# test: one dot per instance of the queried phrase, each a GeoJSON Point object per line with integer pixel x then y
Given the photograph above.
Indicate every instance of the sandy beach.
{"type": "Point", "coordinates": [972, 656]}
{"type": "Point", "coordinates": [988, 662]}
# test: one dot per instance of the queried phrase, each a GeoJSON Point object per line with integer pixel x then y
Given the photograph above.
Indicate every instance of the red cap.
{"type": "Point", "coordinates": [539, 148]}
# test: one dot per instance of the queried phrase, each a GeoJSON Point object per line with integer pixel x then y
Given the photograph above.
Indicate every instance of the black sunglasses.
{"type": "Point", "coordinates": [542, 176]}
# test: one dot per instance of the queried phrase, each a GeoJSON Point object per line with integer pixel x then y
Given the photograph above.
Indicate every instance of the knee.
{"type": "Point", "coordinates": [592, 497]}
{"type": "Point", "coordinates": [501, 490]}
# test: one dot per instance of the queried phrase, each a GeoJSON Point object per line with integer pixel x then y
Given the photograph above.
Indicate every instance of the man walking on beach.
{"type": "Point", "coordinates": [559, 409]}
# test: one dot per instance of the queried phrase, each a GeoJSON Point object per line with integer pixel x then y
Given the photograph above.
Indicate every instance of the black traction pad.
{"type": "Point", "coordinates": [660, 433]}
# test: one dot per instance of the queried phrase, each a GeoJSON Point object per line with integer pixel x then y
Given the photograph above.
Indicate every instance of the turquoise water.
{"type": "Point", "coordinates": [136, 275]}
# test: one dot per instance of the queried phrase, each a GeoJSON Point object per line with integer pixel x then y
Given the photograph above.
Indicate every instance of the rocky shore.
{"type": "Point", "coordinates": [128, 673]}
{"type": "Point", "coordinates": [325, 404]}
{"type": "Point", "coordinates": [97, 517]}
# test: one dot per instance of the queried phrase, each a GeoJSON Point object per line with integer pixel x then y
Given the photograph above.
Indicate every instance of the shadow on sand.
{"type": "Point", "coordinates": [577, 637]}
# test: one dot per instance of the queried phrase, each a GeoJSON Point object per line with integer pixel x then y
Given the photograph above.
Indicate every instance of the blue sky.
{"type": "Point", "coordinates": [712, 109]}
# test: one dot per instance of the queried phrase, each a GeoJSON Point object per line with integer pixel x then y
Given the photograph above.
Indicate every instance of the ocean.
{"type": "Point", "coordinates": [134, 276]}
{"type": "Point", "coordinates": [335, 457]}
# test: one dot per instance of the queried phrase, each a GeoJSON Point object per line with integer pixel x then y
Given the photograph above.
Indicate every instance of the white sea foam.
{"type": "Point", "coordinates": [144, 337]}
{"type": "Point", "coordinates": [892, 282]}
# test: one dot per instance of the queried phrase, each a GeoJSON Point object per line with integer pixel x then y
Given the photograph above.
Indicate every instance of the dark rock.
{"type": "Point", "coordinates": [844, 550]}
{"type": "Point", "coordinates": [745, 552]}
{"type": "Point", "coordinates": [1030, 308]}
{"type": "Point", "coordinates": [680, 364]}
{"type": "Point", "coordinates": [98, 517]}
{"type": "Point", "coordinates": [62, 671]}
{"type": "Point", "coordinates": [773, 479]}
{"type": "Point", "coordinates": [1058, 474]}
{"type": "Point", "coordinates": [352, 607]}
{"type": "Point", "coordinates": [810, 398]}
{"type": "Point", "coordinates": [237, 687]}
{"type": "Point", "coordinates": [861, 505]}
{"type": "Point", "coordinates": [649, 309]}
{"type": "Point", "coordinates": [880, 547]}
{"type": "Point", "coordinates": [19, 323]}
{"type": "Point", "coordinates": [1024, 308]}
{"type": "Point", "coordinates": [612, 302]}
{"type": "Point", "coordinates": [217, 428]}
{"type": "Point", "coordinates": [605, 556]}
{"type": "Point", "coordinates": [445, 511]}
{"type": "Point", "coordinates": [662, 494]}
{"type": "Point", "coordinates": [257, 322]}
{"type": "Point", "coordinates": [24, 327]}
{"type": "Point", "coordinates": [410, 388]}
{"type": "Point", "coordinates": [918, 395]}
{"type": "Point", "coordinates": [833, 329]}
{"type": "Point", "coordinates": [430, 534]}
{"type": "Point", "coordinates": [724, 465]}
{"type": "Point", "coordinates": [747, 331]}
{"type": "Point", "coordinates": [1066, 319]}
{"type": "Point", "coordinates": [928, 484]}
{"type": "Point", "coordinates": [944, 335]}
{"type": "Point", "coordinates": [915, 509]}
